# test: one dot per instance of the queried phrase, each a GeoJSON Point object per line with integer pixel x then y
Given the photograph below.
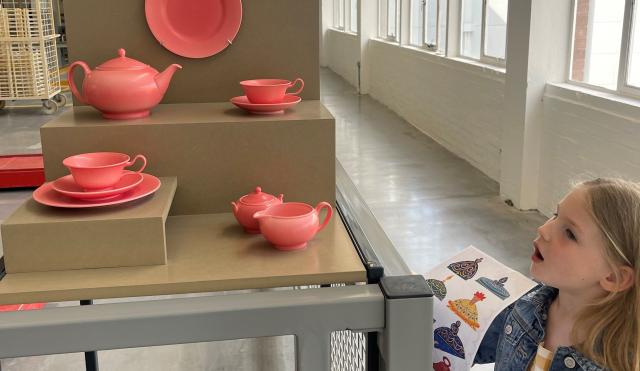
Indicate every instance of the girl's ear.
{"type": "Point", "coordinates": [624, 281]}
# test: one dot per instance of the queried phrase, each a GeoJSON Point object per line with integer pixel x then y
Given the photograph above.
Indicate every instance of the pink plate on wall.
{"type": "Point", "coordinates": [195, 28]}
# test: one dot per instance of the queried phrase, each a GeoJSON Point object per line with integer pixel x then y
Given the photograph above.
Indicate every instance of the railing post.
{"type": "Point", "coordinates": [406, 343]}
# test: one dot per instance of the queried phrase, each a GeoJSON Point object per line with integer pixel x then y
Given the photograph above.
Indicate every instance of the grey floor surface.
{"type": "Point", "coordinates": [430, 203]}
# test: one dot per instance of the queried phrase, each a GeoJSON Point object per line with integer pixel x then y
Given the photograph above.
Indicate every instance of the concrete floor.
{"type": "Point", "coordinates": [430, 203]}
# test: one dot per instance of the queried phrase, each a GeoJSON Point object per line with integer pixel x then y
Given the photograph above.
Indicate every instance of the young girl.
{"type": "Point", "coordinates": [586, 314]}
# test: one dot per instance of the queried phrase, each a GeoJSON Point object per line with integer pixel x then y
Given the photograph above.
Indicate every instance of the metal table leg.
{"type": "Point", "coordinates": [90, 358]}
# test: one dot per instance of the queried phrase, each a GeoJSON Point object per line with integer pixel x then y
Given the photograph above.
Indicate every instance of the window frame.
{"type": "Point", "coordinates": [346, 14]}
{"type": "Point", "coordinates": [622, 87]}
{"type": "Point", "coordinates": [434, 48]}
{"type": "Point", "coordinates": [486, 59]}
{"type": "Point", "coordinates": [387, 37]}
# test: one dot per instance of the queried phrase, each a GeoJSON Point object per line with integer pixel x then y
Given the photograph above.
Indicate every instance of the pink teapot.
{"type": "Point", "coordinates": [247, 205]}
{"type": "Point", "coordinates": [122, 88]}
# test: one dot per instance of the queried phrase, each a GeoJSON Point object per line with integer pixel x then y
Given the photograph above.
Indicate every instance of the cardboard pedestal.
{"type": "Point", "coordinates": [217, 151]}
{"type": "Point", "coordinates": [42, 238]}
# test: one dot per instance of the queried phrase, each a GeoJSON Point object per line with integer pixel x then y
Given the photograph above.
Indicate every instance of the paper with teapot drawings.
{"type": "Point", "coordinates": [470, 290]}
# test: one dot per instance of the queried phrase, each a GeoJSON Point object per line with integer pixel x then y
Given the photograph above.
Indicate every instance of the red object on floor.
{"type": "Point", "coordinates": [19, 171]}
{"type": "Point", "coordinates": [16, 307]}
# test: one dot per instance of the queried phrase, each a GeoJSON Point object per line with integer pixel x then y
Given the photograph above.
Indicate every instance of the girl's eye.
{"type": "Point", "coordinates": [570, 234]}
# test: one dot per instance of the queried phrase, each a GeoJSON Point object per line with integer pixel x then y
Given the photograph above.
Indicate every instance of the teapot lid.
{"type": "Point", "coordinates": [122, 63]}
{"type": "Point", "coordinates": [257, 197]}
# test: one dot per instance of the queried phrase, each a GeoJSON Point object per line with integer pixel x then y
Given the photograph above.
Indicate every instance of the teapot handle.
{"type": "Point", "coordinates": [327, 217]}
{"type": "Point", "coordinates": [72, 84]}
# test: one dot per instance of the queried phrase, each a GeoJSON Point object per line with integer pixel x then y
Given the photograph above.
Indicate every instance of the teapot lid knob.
{"type": "Point", "coordinates": [121, 52]}
{"type": "Point", "coordinates": [258, 190]}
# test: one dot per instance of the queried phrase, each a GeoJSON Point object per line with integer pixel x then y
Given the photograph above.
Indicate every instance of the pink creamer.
{"type": "Point", "coordinates": [122, 88]}
{"type": "Point", "coordinates": [289, 226]}
{"type": "Point", "coordinates": [247, 205]}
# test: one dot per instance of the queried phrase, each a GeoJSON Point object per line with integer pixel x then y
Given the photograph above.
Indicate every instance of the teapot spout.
{"type": "Point", "coordinates": [163, 78]}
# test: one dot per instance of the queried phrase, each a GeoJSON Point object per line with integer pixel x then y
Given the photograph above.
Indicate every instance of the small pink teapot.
{"type": "Point", "coordinates": [249, 204]}
{"type": "Point", "coordinates": [122, 88]}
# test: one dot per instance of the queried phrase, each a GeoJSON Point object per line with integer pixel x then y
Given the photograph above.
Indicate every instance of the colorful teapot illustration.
{"type": "Point", "coordinates": [122, 88]}
{"type": "Point", "coordinates": [444, 365]}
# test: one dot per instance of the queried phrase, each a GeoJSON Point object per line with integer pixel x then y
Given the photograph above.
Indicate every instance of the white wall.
{"type": "Point", "coordinates": [343, 52]}
{"type": "Point", "coordinates": [458, 105]}
{"type": "Point", "coordinates": [585, 137]}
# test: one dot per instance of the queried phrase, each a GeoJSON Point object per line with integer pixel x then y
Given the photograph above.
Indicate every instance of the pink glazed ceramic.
{"type": "Point", "coordinates": [249, 204]}
{"type": "Point", "coordinates": [269, 91]}
{"type": "Point", "coordinates": [291, 225]}
{"type": "Point", "coordinates": [100, 170]}
{"type": "Point", "coordinates": [122, 88]}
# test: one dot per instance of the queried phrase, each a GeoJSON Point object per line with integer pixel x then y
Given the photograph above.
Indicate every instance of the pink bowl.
{"type": "Point", "coordinates": [99, 170]}
{"type": "Point", "coordinates": [290, 225]}
{"type": "Point", "coordinates": [269, 91]}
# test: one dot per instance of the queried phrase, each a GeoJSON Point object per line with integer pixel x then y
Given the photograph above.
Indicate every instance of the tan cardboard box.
{"type": "Point", "coordinates": [218, 151]}
{"type": "Point", "coordinates": [42, 238]}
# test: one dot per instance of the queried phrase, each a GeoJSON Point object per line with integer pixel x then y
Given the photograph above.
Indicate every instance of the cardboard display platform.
{"type": "Point", "coordinates": [42, 238]}
{"type": "Point", "coordinates": [218, 152]}
{"type": "Point", "coordinates": [204, 253]}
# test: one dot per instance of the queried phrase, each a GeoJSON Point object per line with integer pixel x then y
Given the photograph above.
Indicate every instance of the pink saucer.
{"type": "Point", "coordinates": [266, 109]}
{"type": "Point", "coordinates": [46, 195]}
{"type": "Point", "coordinates": [68, 187]}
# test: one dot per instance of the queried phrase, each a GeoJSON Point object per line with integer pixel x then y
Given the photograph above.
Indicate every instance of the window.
{"type": "Point", "coordinates": [483, 33]}
{"type": "Point", "coordinates": [388, 22]}
{"type": "Point", "coordinates": [606, 45]}
{"type": "Point", "coordinates": [345, 15]}
{"type": "Point", "coordinates": [429, 24]}
{"type": "Point", "coordinates": [338, 14]}
{"type": "Point", "coordinates": [353, 16]}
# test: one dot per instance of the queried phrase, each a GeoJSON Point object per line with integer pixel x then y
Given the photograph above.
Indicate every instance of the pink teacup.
{"type": "Point", "coordinates": [99, 170]}
{"type": "Point", "coordinates": [290, 225]}
{"type": "Point", "coordinates": [269, 91]}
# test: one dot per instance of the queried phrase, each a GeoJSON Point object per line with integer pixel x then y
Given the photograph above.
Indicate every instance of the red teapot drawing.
{"type": "Point", "coordinates": [444, 365]}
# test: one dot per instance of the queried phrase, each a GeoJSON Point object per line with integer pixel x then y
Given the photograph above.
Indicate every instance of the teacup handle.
{"type": "Point", "coordinates": [144, 162]}
{"type": "Point", "coordinates": [301, 86]}
{"type": "Point", "coordinates": [320, 206]}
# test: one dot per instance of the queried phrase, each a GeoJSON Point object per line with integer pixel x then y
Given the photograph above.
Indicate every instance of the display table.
{"type": "Point", "coordinates": [207, 252]}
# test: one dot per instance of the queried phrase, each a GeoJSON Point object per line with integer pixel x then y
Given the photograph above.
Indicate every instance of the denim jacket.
{"type": "Point", "coordinates": [513, 337]}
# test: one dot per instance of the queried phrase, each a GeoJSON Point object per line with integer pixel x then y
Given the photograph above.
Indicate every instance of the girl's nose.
{"type": "Point", "coordinates": [544, 231]}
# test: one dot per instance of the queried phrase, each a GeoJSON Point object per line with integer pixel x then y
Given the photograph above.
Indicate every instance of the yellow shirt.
{"type": "Point", "coordinates": [542, 361]}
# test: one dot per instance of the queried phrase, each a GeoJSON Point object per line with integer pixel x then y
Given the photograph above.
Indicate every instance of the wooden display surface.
{"type": "Point", "coordinates": [208, 252]}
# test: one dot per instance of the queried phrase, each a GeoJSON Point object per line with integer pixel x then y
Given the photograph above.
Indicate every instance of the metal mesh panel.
{"type": "Point", "coordinates": [28, 55]}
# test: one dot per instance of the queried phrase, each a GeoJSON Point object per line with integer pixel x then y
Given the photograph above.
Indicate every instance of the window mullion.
{"type": "Point", "coordinates": [435, 48]}
{"type": "Point", "coordinates": [625, 45]}
{"type": "Point", "coordinates": [424, 23]}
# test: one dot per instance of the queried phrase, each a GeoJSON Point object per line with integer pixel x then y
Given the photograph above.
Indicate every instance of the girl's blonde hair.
{"type": "Point", "coordinates": [612, 326]}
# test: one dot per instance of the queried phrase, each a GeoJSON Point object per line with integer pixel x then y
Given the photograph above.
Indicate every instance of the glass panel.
{"type": "Point", "coordinates": [442, 26]}
{"type": "Point", "coordinates": [496, 28]}
{"type": "Point", "coordinates": [382, 18]}
{"type": "Point", "coordinates": [417, 19]}
{"type": "Point", "coordinates": [471, 30]}
{"type": "Point", "coordinates": [391, 16]}
{"type": "Point", "coordinates": [596, 44]}
{"type": "Point", "coordinates": [431, 20]}
{"type": "Point", "coordinates": [353, 23]}
{"type": "Point", "coordinates": [634, 49]}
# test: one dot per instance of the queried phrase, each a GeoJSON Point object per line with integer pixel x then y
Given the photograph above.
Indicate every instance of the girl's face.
{"type": "Point", "coordinates": [569, 249]}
